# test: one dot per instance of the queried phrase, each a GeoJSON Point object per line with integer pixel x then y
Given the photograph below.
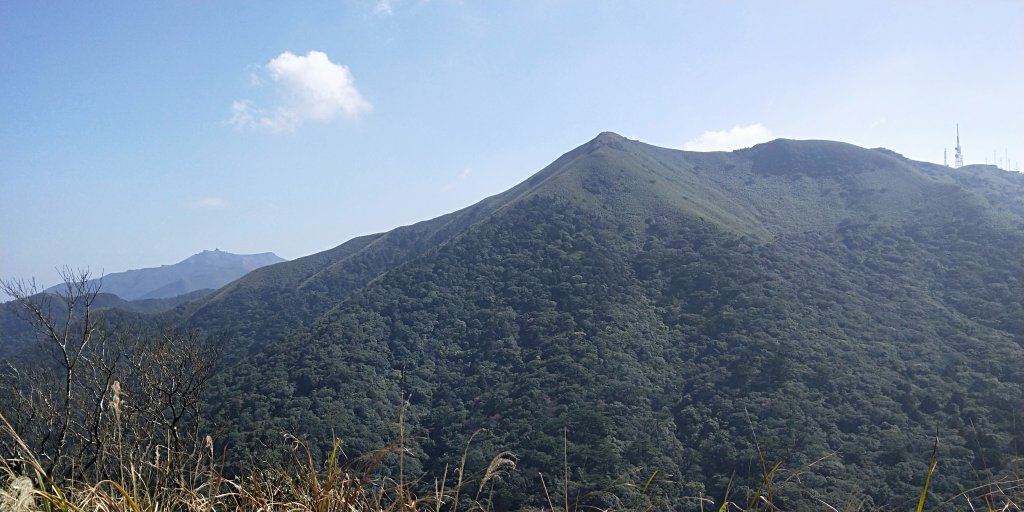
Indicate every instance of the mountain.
{"type": "Point", "coordinates": [673, 320]}
{"type": "Point", "coordinates": [810, 302]}
{"type": "Point", "coordinates": [205, 270]}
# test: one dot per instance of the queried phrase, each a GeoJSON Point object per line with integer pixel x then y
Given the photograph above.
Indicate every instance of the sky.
{"type": "Point", "coordinates": [135, 134]}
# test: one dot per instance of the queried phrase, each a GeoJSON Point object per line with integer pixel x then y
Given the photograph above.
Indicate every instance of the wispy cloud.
{"type": "Point", "coordinates": [384, 8]}
{"type": "Point", "coordinates": [463, 176]}
{"type": "Point", "coordinates": [388, 7]}
{"type": "Point", "coordinates": [311, 88]}
{"type": "Point", "coordinates": [736, 138]}
{"type": "Point", "coordinates": [245, 115]}
{"type": "Point", "coordinates": [209, 203]}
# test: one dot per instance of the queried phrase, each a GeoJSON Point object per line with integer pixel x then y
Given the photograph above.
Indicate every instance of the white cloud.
{"type": "Point", "coordinates": [726, 140]}
{"type": "Point", "coordinates": [312, 88]}
{"type": "Point", "coordinates": [320, 88]}
{"type": "Point", "coordinates": [209, 203]}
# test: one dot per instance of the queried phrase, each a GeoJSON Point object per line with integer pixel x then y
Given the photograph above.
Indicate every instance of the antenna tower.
{"type": "Point", "coordinates": [958, 158]}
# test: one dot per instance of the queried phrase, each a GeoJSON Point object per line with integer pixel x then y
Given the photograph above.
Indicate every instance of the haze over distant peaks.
{"type": "Point", "coordinates": [205, 270]}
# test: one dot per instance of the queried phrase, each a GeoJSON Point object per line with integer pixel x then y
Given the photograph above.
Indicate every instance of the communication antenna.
{"type": "Point", "coordinates": [944, 161]}
{"type": "Point", "coordinates": [958, 157]}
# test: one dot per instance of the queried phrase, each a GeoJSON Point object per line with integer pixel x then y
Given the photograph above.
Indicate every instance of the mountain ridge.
{"type": "Point", "coordinates": [330, 276]}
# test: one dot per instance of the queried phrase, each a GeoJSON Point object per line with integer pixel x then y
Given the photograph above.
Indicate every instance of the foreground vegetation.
{"type": "Point", "coordinates": [364, 484]}
{"type": "Point", "coordinates": [356, 485]}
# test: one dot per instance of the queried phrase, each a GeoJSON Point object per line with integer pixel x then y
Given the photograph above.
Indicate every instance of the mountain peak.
{"type": "Point", "coordinates": [607, 139]}
{"type": "Point", "coordinates": [203, 270]}
{"type": "Point", "coordinates": [609, 136]}
{"type": "Point", "coordinates": [217, 255]}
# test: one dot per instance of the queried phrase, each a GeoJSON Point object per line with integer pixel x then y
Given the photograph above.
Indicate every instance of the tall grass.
{"type": "Point", "coordinates": [360, 485]}
{"type": "Point", "coordinates": [303, 485]}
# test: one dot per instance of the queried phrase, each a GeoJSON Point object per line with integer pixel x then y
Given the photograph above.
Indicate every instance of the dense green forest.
{"type": "Point", "coordinates": [684, 318]}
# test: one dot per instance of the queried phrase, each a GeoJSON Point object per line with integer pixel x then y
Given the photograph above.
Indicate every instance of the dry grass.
{"type": "Point", "coordinates": [359, 486]}
{"type": "Point", "coordinates": [301, 486]}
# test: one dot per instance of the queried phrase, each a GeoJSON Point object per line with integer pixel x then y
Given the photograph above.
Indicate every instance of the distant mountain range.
{"type": "Point", "coordinates": [207, 270]}
{"type": "Point", "coordinates": [144, 291]}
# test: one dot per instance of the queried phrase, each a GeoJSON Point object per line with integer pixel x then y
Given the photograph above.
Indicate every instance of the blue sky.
{"type": "Point", "coordinates": [136, 134]}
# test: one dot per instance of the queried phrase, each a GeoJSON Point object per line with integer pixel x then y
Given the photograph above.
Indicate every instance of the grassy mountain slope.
{"type": "Point", "coordinates": [673, 311]}
{"type": "Point", "coordinates": [271, 302]}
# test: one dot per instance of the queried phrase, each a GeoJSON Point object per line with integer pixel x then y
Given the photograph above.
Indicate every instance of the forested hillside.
{"type": "Point", "coordinates": [672, 311]}
{"type": "Point", "coordinates": [18, 334]}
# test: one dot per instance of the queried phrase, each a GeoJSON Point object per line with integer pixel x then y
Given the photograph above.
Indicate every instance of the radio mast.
{"type": "Point", "coordinates": [958, 157]}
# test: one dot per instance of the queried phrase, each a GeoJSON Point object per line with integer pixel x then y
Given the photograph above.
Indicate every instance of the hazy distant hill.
{"type": "Point", "coordinates": [205, 270]}
{"type": "Point", "coordinates": [144, 292]}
